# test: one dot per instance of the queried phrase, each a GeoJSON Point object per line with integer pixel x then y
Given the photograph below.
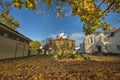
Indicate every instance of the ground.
{"type": "Point", "coordinates": [48, 68]}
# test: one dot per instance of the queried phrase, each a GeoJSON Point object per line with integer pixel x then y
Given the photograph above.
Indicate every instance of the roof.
{"type": "Point", "coordinates": [61, 39]}
{"type": "Point", "coordinates": [117, 30]}
{"type": "Point", "coordinates": [13, 31]}
{"type": "Point", "coordinates": [114, 33]}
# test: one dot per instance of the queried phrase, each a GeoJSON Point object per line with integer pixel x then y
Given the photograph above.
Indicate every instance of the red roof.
{"type": "Point", "coordinates": [61, 39]}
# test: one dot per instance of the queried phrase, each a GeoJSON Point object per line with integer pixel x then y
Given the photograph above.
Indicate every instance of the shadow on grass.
{"type": "Point", "coordinates": [85, 57]}
{"type": "Point", "coordinates": [112, 54]}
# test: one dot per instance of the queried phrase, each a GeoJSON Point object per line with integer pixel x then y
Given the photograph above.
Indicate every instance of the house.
{"type": "Point", "coordinates": [102, 42]}
{"type": "Point", "coordinates": [114, 42]}
{"type": "Point", "coordinates": [96, 42]}
{"type": "Point", "coordinates": [61, 44]}
{"type": "Point", "coordinates": [12, 43]}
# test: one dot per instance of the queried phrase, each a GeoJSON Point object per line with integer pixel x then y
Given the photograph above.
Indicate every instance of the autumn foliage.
{"type": "Point", "coordinates": [35, 44]}
{"type": "Point", "coordinates": [61, 45]}
{"type": "Point", "coordinates": [37, 68]}
{"type": "Point", "coordinates": [91, 12]}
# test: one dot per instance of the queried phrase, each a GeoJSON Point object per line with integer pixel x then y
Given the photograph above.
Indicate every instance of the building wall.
{"type": "Point", "coordinates": [114, 45]}
{"type": "Point", "coordinates": [108, 44]}
{"type": "Point", "coordinates": [82, 48]}
{"type": "Point", "coordinates": [33, 52]}
{"type": "Point", "coordinates": [12, 48]}
{"type": "Point", "coordinates": [92, 41]}
{"type": "Point", "coordinates": [89, 43]}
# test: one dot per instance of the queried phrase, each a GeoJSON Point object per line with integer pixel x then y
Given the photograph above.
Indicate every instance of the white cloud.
{"type": "Point", "coordinates": [68, 13]}
{"type": "Point", "coordinates": [53, 36]}
{"type": "Point", "coordinates": [68, 10]}
{"type": "Point", "coordinates": [78, 37]}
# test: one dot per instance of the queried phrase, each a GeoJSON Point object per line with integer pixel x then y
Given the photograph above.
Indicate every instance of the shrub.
{"type": "Point", "coordinates": [46, 55]}
{"type": "Point", "coordinates": [68, 56]}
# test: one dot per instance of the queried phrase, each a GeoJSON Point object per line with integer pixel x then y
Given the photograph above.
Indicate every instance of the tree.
{"type": "Point", "coordinates": [47, 44]}
{"type": "Point", "coordinates": [91, 12]}
{"type": "Point", "coordinates": [5, 18]}
{"type": "Point", "coordinates": [35, 44]}
{"type": "Point", "coordinates": [9, 21]}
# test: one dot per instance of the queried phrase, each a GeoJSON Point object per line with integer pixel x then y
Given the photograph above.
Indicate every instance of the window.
{"type": "Point", "coordinates": [112, 34]}
{"type": "Point", "coordinates": [1, 33]}
{"type": "Point", "coordinates": [12, 37]}
{"type": "Point", "coordinates": [91, 40]}
{"type": "Point", "coordinates": [118, 47]}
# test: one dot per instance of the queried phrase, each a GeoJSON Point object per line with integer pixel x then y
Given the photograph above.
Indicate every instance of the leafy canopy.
{"type": "Point", "coordinates": [5, 18]}
{"type": "Point", "coordinates": [91, 12]}
{"type": "Point", "coordinates": [35, 44]}
{"type": "Point", "coordinates": [9, 21]}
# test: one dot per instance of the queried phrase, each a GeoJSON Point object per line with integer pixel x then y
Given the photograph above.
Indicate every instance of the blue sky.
{"type": "Point", "coordinates": [40, 27]}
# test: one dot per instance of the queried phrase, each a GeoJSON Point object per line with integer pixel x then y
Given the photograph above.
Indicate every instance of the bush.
{"type": "Point", "coordinates": [68, 56]}
{"type": "Point", "coordinates": [46, 55]}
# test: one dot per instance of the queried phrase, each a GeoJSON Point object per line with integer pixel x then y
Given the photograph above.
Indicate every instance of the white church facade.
{"type": "Point", "coordinates": [95, 42]}
{"type": "Point", "coordinates": [100, 42]}
{"type": "Point", "coordinates": [114, 42]}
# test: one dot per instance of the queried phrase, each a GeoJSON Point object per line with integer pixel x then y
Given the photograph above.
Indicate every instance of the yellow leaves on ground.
{"type": "Point", "coordinates": [37, 68]}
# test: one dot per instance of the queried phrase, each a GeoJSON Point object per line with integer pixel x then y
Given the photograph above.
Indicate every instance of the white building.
{"type": "Point", "coordinates": [12, 43]}
{"type": "Point", "coordinates": [96, 42]}
{"type": "Point", "coordinates": [100, 42]}
{"type": "Point", "coordinates": [82, 48]}
{"type": "Point", "coordinates": [114, 42]}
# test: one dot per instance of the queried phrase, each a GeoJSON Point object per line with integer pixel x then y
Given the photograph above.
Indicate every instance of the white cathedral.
{"type": "Point", "coordinates": [101, 42]}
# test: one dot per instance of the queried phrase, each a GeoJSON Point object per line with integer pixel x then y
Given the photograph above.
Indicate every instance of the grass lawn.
{"type": "Point", "coordinates": [48, 68]}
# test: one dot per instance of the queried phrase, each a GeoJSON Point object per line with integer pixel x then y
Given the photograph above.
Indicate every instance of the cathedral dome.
{"type": "Point", "coordinates": [62, 35]}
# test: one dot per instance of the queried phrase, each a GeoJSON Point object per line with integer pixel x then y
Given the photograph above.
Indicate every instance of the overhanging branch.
{"type": "Point", "coordinates": [109, 7]}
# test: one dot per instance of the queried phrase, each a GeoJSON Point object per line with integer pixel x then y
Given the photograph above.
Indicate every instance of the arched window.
{"type": "Point", "coordinates": [91, 39]}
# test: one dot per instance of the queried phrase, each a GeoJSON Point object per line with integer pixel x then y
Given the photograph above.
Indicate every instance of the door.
{"type": "Point", "coordinates": [19, 50]}
{"type": "Point", "coordinates": [99, 48]}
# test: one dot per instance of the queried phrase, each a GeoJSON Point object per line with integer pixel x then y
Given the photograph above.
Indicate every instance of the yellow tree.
{"type": "Point", "coordinates": [91, 12]}
{"type": "Point", "coordinates": [35, 44]}
{"type": "Point", "coordinates": [5, 18]}
{"type": "Point", "coordinates": [9, 21]}
{"type": "Point", "coordinates": [6, 6]}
